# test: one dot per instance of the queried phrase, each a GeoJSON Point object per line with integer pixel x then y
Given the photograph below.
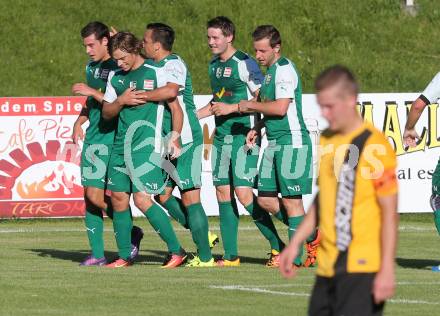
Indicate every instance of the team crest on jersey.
{"type": "Point", "coordinates": [267, 79]}
{"type": "Point", "coordinates": [148, 84]}
{"type": "Point", "coordinates": [227, 72]}
{"type": "Point", "coordinates": [133, 84]}
{"type": "Point", "coordinates": [218, 73]}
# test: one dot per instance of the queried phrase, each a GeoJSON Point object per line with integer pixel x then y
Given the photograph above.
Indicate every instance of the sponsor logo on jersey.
{"type": "Point", "coordinates": [218, 73]}
{"type": "Point", "coordinates": [104, 74]}
{"type": "Point", "coordinates": [148, 84]}
{"type": "Point", "coordinates": [121, 81]}
{"type": "Point", "coordinates": [267, 79]}
{"type": "Point", "coordinates": [97, 73]}
{"type": "Point", "coordinates": [227, 72]}
{"type": "Point", "coordinates": [133, 84]}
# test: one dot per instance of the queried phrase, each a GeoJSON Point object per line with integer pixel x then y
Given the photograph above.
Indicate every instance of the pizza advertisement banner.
{"type": "Point", "coordinates": [39, 164]}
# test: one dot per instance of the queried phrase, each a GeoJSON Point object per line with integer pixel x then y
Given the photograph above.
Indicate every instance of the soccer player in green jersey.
{"type": "Point", "coordinates": [234, 77]}
{"type": "Point", "coordinates": [136, 162]}
{"type": "Point", "coordinates": [430, 95]}
{"type": "Point", "coordinates": [158, 42]}
{"type": "Point", "coordinates": [97, 142]}
{"type": "Point", "coordinates": [286, 166]}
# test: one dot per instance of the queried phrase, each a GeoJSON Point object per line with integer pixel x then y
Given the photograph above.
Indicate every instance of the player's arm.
{"type": "Point", "coordinates": [177, 124]}
{"type": "Point", "coordinates": [78, 132]}
{"type": "Point", "coordinates": [205, 111]}
{"type": "Point", "coordinates": [84, 89]}
{"type": "Point", "coordinates": [305, 229]}
{"type": "Point", "coordinates": [167, 92]}
{"type": "Point", "coordinates": [278, 107]}
{"type": "Point", "coordinates": [430, 95]}
{"type": "Point", "coordinates": [385, 186]}
{"type": "Point", "coordinates": [286, 81]}
{"type": "Point", "coordinates": [384, 283]}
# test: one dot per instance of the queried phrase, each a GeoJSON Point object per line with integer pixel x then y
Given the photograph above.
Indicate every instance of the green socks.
{"type": "Point", "coordinates": [264, 223]}
{"type": "Point", "coordinates": [437, 220]}
{"type": "Point", "coordinates": [282, 216]}
{"type": "Point", "coordinates": [162, 225]}
{"type": "Point", "coordinates": [229, 228]}
{"type": "Point", "coordinates": [175, 208]}
{"type": "Point", "coordinates": [294, 222]}
{"type": "Point", "coordinates": [95, 226]}
{"type": "Point", "coordinates": [198, 224]}
{"type": "Point", "coordinates": [122, 225]}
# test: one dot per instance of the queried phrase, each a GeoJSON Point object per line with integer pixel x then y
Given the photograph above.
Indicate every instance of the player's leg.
{"type": "Point", "coordinates": [172, 203]}
{"type": "Point", "coordinates": [120, 185]}
{"type": "Point", "coordinates": [353, 295]}
{"type": "Point", "coordinates": [244, 176]}
{"type": "Point", "coordinates": [122, 226]}
{"type": "Point", "coordinates": [93, 180]}
{"type": "Point", "coordinates": [293, 184]}
{"type": "Point", "coordinates": [228, 210]}
{"type": "Point", "coordinates": [198, 223]}
{"type": "Point", "coordinates": [145, 185]}
{"type": "Point", "coordinates": [189, 170]}
{"type": "Point", "coordinates": [162, 225]}
{"type": "Point", "coordinates": [323, 295]}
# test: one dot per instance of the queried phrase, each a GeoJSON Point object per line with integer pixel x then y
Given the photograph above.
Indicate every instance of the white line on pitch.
{"type": "Point", "coordinates": [265, 291]}
{"type": "Point", "coordinates": [256, 290]}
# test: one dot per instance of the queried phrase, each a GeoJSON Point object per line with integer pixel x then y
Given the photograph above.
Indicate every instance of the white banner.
{"type": "Point", "coordinates": [34, 150]}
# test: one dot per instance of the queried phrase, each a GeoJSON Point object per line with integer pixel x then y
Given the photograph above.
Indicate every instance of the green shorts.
{"type": "Point", "coordinates": [286, 170]}
{"type": "Point", "coordinates": [186, 170]}
{"type": "Point", "coordinates": [436, 180]}
{"type": "Point", "coordinates": [233, 163]}
{"type": "Point", "coordinates": [94, 165]}
{"type": "Point", "coordinates": [142, 174]}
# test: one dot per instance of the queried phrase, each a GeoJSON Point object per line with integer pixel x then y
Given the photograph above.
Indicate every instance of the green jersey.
{"type": "Point", "coordinates": [137, 125]}
{"type": "Point", "coordinates": [234, 80]}
{"type": "Point", "coordinates": [99, 131]}
{"type": "Point", "coordinates": [174, 70]}
{"type": "Point", "coordinates": [282, 81]}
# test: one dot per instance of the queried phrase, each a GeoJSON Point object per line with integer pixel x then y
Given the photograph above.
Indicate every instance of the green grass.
{"type": "Point", "coordinates": [390, 51]}
{"type": "Point", "coordinates": [40, 275]}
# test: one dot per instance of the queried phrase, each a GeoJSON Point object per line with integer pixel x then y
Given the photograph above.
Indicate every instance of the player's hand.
{"type": "Point", "coordinates": [384, 285]}
{"type": "Point", "coordinates": [251, 138]}
{"type": "Point", "coordinates": [83, 89]}
{"type": "Point", "coordinates": [286, 260]}
{"type": "Point", "coordinates": [410, 137]}
{"type": "Point", "coordinates": [174, 147]}
{"type": "Point", "coordinates": [132, 97]}
{"type": "Point", "coordinates": [77, 133]}
{"type": "Point", "coordinates": [220, 108]}
{"type": "Point", "coordinates": [113, 31]}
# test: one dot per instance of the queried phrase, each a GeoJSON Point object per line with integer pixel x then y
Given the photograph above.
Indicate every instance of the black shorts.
{"type": "Point", "coordinates": [348, 294]}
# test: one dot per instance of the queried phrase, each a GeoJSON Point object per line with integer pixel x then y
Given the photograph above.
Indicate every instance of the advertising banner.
{"type": "Point", "coordinates": [39, 164]}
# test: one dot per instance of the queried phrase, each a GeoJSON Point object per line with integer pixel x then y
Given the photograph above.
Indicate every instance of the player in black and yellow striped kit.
{"type": "Point", "coordinates": [355, 209]}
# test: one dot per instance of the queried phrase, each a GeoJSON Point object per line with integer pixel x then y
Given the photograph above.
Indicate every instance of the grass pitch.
{"type": "Point", "coordinates": [39, 275]}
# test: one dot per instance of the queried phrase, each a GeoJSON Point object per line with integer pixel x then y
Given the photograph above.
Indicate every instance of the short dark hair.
{"type": "Point", "coordinates": [125, 41]}
{"type": "Point", "coordinates": [337, 74]}
{"type": "Point", "coordinates": [267, 31]}
{"type": "Point", "coordinates": [98, 28]}
{"type": "Point", "coordinates": [162, 33]}
{"type": "Point", "coordinates": [224, 24]}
